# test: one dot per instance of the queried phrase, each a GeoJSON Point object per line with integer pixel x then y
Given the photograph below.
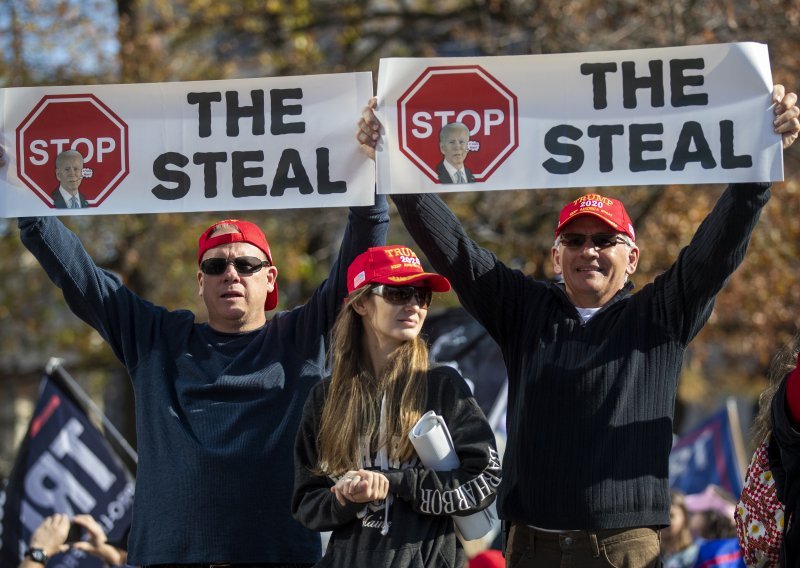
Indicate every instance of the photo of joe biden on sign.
{"type": "Point", "coordinates": [69, 173]}
{"type": "Point", "coordinates": [454, 144]}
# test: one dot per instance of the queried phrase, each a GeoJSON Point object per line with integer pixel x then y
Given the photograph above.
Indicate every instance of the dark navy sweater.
{"type": "Point", "coordinates": [216, 413]}
{"type": "Point", "coordinates": [590, 406]}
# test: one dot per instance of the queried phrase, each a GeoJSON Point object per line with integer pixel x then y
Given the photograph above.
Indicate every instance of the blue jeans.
{"type": "Point", "coordinates": [615, 548]}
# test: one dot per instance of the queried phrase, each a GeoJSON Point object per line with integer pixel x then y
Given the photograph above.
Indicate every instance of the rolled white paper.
{"type": "Point", "coordinates": [434, 446]}
{"type": "Point", "coordinates": [431, 439]}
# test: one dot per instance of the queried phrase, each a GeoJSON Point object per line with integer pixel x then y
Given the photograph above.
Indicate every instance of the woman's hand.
{"type": "Point", "coordinates": [362, 486]}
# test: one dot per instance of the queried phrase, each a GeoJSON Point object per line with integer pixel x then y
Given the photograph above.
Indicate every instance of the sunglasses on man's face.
{"type": "Point", "coordinates": [599, 240]}
{"type": "Point", "coordinates": [242, 264]}
{"type": "Point", "coordinates": [402, 295]}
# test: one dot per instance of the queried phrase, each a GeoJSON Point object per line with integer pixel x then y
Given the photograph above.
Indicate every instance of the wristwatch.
{"type": "Point", "coordinates": [37, 555]}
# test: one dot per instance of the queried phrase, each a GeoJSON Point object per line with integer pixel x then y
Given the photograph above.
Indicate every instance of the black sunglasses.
{"type": "Point", "coordinates": [599, 240]}
{"type": "Point", "coordinates": [242, 264]}
{"type": "Point", "coordinates": [402, 295]}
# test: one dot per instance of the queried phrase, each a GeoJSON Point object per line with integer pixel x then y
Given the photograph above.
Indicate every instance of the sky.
{"type": "Point", "coordinates": [59, 37]}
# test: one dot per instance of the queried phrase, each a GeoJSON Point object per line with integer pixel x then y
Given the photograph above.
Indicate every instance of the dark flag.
{"type": "Point", "coordinates": [710, 453]}
{"type": "Point", "coordinates": [64, 465]}
{"type": "Point", "coordinates": [458, 340]}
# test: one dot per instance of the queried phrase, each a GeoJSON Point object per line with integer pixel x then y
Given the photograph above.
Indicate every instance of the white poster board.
{"type": "Point", "coordinates": [269, 143]}
{"type": "Point", "coordinates": [680, 115]}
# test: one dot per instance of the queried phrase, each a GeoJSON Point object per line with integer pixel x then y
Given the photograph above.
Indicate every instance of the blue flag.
{"type": "Point", "coordinates": [709, 454]}
{"type": "Point", "coordinates": [64, 465]}
{"type": "Point", "coordinates": [722, 553]}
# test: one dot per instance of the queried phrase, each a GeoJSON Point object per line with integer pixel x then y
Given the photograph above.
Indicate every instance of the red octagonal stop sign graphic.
{"type": "Point", "coordinates": [466, 94]}
{"type": "Point", "coordinates": [72, 122]}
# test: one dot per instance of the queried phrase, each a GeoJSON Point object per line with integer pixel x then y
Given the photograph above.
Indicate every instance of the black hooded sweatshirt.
{"type": "Point", "coordinates": [420, 529]}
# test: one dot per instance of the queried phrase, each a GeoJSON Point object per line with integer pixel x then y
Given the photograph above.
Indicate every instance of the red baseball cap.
{"type": "Point", "coordinates": [248, 233]}
{"type": "Point", "coordinates": [610, 211]}
{"type": "Point", "coordinates": [394, 265]}
{"type": "Point", "coordinates": [487, 559]}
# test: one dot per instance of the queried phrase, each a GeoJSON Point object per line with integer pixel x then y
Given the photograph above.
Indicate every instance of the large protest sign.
{"type": "Point", "coordinates": [64, 465]}
{"type": "Point", "coordinates": [267, 143]}
{"type": "Point", "coordinates": [697, 114]}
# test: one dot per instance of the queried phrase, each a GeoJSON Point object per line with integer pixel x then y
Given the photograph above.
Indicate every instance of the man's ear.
{"type": "Point", "coordinates": [633, 260]}
{"type": "Point", "coordinates": [556, 256]}
{"type": "Point", "coordinates": [200, 282]}
{"type": "Point", "coordinates": [272, 277]}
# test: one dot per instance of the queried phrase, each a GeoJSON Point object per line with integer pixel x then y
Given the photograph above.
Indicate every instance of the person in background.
{"type": "Point", "coordinates": [711, 513]}
{"type": "Point", "coordinates": [50, 539]}
{"type": "Point", "coordinates": [701, 531]}
{"type": "Point", "coordinates": [356, 472]}
{"type": "Point", "coordinates": [678, 547]}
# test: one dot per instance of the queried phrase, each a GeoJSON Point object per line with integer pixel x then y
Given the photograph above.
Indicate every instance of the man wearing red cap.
{"type": "Point", "coordinates": [218, 404]}
{"type": "Point", "coordinates": [592, 367]}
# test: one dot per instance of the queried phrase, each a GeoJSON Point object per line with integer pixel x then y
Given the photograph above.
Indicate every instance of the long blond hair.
{"type": "Point", "coordinates": [351, 413]}
{"type": "Point", "coordinates": [782, 363]}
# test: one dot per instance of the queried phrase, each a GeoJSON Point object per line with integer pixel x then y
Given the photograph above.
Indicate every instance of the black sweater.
{"type": "Point", "coordinates": [590, 406]}
{"type": "Point", "coordinates": [421, 530]}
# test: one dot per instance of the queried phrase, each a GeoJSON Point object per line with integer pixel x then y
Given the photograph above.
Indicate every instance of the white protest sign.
{"type": "Point", "coordinates": [268, 143]}
{"type": "Point", "coordinates": [699, 114]}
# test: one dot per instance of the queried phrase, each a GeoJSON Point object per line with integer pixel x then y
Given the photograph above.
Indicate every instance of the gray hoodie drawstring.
{"type": "Point", "coordinates": [383, 458]}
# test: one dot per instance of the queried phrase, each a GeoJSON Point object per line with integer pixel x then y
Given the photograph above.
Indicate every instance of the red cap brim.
{"type": "Point", "coordinates": [435, 282]}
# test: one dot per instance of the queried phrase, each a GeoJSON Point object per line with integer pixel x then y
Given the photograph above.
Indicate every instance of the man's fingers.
{"type": "Point", "coordinates": [366, 137]}
{"type": "Point", "coordinates": [787, 105]}
{"type": "Point", "coordinates": [787, 119]}
{"type": "Point", "coordinates": [778, 92]}
{"type": "Point", "coordinates": [369, 129]}
{"type": "Point", "coordinates": [366, 116]}
{"type": "Point", "coordinates": [789, 139]}
{"type": "Point", "coordinates": [368, 120]}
